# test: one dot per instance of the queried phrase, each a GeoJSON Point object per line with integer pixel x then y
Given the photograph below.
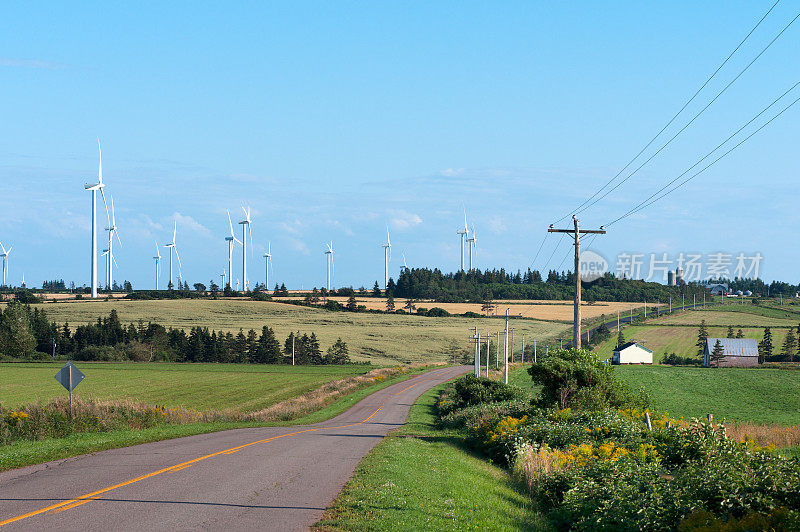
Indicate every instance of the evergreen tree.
{"type": "Point", "coordinates": [337, 354]}
{"type": "Point", "coordinates": [315, 295]}
{"type": "Point", "coordinates": [789, 346]}
{"type": "Point", "coordinates": [313, 351]}
{"type": "Point", "coordinates": [739, 333]}
{"type": "Point", "coordinates": [765, 346]}
{"type": "Point", "coordinates": [717, 354]}
{"type": "Point", "coordinates": [730, 331]}
{"type": "Point", "coordinates": [702, 336]}
{"type": "Point", "coordinates": [389, 302]}
{"type": "Point", "coordinates": [284, 291]}
{"type": "Point", "coordinates": [376, 290]}
{"type": "Point", "coordinates": [352, 304]}
{"type": "Point", "coordinates": [620, 338]}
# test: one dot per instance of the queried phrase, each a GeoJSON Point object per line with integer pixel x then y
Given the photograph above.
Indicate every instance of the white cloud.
{"type": "Point", "coordinates": [299, 246]}
{"type": "Point", "coordinates": [292, 227]}
{"type": "Point", "coordinates": [497, 226]}
{"type": "Point", "coordinates": [401, 219]}
{"type": "Point", "coordinates": [452, 172]}
{"type": "Point", "coordinates": [30, 63]}
{"type": "Point", "coordinates": [187, 222]}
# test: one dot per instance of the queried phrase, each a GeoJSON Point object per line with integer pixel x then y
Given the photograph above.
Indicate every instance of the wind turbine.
{"type": "Point", "coordinates": [94, 187]}
{"type": "Point", "coordinates": [230, 239]}
{"type": "Point", "coordinates": [387, 255]}
{"type": "Point", "coordinates": [472, 244]}
{"type": "Point", "coordinates": [404, 267]}
{"type": "Point", "coordinates": [245, 228]}
{"type": "Point", "coordinates": [463, 233]}
{"type": "Point", "coordinates": [222, 276]}
{"type": "Point", "coordinates": [157, 258]}
{"type": "Point", "coordinates": [110, 260]}
{"type": "Point", "coordinates": [5, 254]}
{"type": "Point", "coordinates": [172, 247]}
{"type": "Point", "coordinates": [329, 254]}
{"type": "Point", "coordinates": [268, 265]}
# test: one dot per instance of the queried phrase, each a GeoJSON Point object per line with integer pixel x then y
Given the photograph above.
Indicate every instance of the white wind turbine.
{"type": "Point", "coordinates": [222, 276]}
{"type": "Point", "coordinates": [404, 267]}
{"type": "Point", "coordinates": [5, 254]}
{"type": "Point", "coordinates": [472, 245]}
{"type": "Point", "coordinates": [110, 260]}
{"type": "Point", "coordinates": [230, 239]}
{"type": "Point", "coordinates": [387, 256]}
{"type": "Point", "coordinates": [157, 258]}
{"type": "Point", "coordinates": [94, 187]}
{"type": "Point", "coordinates": [245, 228]}
{"type": "Point", "coordinates": [463, 232]}
{"type": "Point", "coordinates": [329, 255]}
{"type": "Point", "coordinates": [172, 247]}
{"type": "Point", "coordinates": [268, 265]}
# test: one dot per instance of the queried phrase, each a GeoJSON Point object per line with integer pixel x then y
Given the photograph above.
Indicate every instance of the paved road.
{"type": "Point", "coordinates": [278, 478]}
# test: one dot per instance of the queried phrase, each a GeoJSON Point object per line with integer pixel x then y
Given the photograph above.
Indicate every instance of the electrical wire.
{"type": "Point", "coordinates": [709, 154]}
{"type": "Point", "coordinates": [692, 120]}
{"type": "Point", "coordinates": [558, 244]}
{"type": "Point", "coordinates": [708, 165]}
{"type": "Point", "coordinates": [538, 251]}
{"type": "Point", "coordinates": [675, 116]}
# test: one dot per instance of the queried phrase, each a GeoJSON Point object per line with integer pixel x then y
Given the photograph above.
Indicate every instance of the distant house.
{"type": "Point", "coordinates": [632, 353]}
{"type": "Point", "coordinates": [739, 352]}
{"type": "Point", "coordinates": [718, 289]}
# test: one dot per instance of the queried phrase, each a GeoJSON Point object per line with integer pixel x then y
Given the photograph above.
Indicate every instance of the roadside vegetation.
{"type": "Point", "coordinates": [424, 478]}
{"type": "Point", "coordinates": [32, 433]}
{"type": "Point", "coordinates": [584, 450]}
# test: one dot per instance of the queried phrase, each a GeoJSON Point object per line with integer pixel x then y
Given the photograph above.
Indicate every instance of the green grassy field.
{"type": "Point", "coordinates": [734, 394]}
{"type": "Point", "coordinates": [379, 338]}
{"type": "Point", "coordinates": [744, 316]}
{"type": "Point", "coordinates": [242, 387]}
{"type": "Point", "coordinates": [420, 478]}
{"type": "Point", "coordinates": [678, 340]}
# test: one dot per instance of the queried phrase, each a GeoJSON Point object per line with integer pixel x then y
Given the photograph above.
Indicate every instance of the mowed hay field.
{"type": "Point", "coordinates": [762, 396]}
{"type": "Point", "coordinates": [378, 338]}
{"type": "Point", "coordinates": [241, 387]}
{"type": "Point", "coordinates": [540, 310]}
{"type": "Point", "coordinates": [725, 316]}
{"type": "Point", "coordinates": [679, 340]}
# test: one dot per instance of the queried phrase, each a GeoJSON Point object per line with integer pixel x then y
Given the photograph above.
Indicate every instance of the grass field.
{"type": "Point", "coordinates": [678, 340]}
{"type": "Point", "coordinates": [420, 478]}
{"type": "Point", "coordinates": [379, 338]}
{"type": "Point", "coordinates": [242, 387]}
{"type": "Point", "coordinates": [540, 310]}
{"type": "Point", "coordinates": [730, 315]}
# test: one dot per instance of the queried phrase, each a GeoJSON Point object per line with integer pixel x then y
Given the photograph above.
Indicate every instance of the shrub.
{"type": "Point", "coordinates": [437, 312]}
{"type": "Point", "coordinates": [574, 378]}
{"type": "Point", "coordinates": [471, 390]}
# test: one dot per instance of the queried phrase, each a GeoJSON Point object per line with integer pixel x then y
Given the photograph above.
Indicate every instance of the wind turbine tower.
{"type": "Point", "coordinates": [5, 254]}
{"type": "Point", "coordinates": [404, 267]}
{"type": "Point", "coordinates": [329, 255]}
{"type": "Point", "coordinates": [172, 247]}
{"type": "Point", "coordinates": [157, 258]}
{"type": "Point", "coordinates": [472, 245]}
{"type": "Point", "coordinates": [268, 265]}
{"type": "Point", "coordinates": [245, 228]}
{"type": "Point", "coordinates": [110, 261]}
{"type": "Point", "coordinates": [387, 255]}
{"type": "Point", "coordinates": [463, 232]}
{"type": "Point", "coordinates": [94, 187]}
{"type": "Point", "coordinates": [230, 239]}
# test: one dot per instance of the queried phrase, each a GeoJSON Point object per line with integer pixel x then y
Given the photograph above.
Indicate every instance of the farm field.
{"type": "Point", "coordinates": [378, 338]}
{"type": "Point", "coordinates": [241, 387]}
{"type": "Point", "coordinates": [540, 310]}
{"type": "Point", "coordinates": [678, 340]}
{"type": "Point", "coordinates": [760, 396]}
{"type": "Point", "coordinates": [724, 316]}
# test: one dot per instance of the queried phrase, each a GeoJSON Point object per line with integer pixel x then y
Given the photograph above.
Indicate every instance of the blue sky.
{"type": "Point", "coordinates": [332, 120]}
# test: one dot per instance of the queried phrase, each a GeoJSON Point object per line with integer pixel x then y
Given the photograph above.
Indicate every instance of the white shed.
{"type": "Point", "coordinates": [632, 353]}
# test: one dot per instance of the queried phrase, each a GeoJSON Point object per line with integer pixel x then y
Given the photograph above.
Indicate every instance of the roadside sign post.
{"type": "Point", "coordinates": [69, 377]}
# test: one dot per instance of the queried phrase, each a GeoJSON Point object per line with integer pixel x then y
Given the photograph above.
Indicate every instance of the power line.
{"type": "Point", "coordinates": [671, 120]}
{"type": "Point", "coordinates": [558, 243]}
{"type": "Point", "coordinates": [706, 156]}
{"type": "Point", "coordinates": [612, 189]}
{"type": "Point", "coordinates": [538, 251]}
{"type": "Point", "coordinates": [709, 165]}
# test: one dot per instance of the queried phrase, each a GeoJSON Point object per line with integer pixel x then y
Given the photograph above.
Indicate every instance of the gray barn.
{"type": "Point", "coordinates": [739, 352]}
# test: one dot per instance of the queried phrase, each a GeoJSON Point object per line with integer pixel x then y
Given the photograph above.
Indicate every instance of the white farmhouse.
{"type": "Point", "coordinates": [632, 353]}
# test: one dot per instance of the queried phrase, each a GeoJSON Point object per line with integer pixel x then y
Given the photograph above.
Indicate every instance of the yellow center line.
{"type": "Point", "coordinates": [83, 499]}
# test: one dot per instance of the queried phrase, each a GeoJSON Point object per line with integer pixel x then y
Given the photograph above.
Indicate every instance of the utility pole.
{"type": "Point", "coordinates": [477, 353]}
{"type": "Point", "coordinates": [497, 356]}
{"type": "Point", "coordinates": [293, 350]}
{"type": "Point", "coordinates": [512, 345]}
{"type": "Point", "coordinates": [523, 348]}
{"type": "Point", "coordinates": [670, 304]}
{"type": "Point", "coordinates": [487, 354]}
{"type": "Point", "coordinates": [534, 350]}
{"type": "Point", "coordinates": [505, 352]}
{"type": "Point", "coordinates": [576, 232]}
{"type": "Point", "coordinates": [617, 320]}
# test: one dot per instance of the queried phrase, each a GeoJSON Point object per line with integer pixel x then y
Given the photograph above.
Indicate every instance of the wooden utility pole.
{"type": "Point", "coordinates": [576, 232]}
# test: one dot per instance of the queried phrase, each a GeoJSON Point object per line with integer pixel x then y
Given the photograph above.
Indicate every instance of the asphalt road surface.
{"type": "Point", "coordinates": [276, 478]}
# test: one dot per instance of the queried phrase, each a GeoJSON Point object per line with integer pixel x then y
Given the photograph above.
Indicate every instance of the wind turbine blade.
{"type": "Point", "coordinates": [7, 253]}
{"type": "Point", "coordinates": [103, 194]}
{"type": "Point", "coordinates": [113, 215]}
{"type": "Point", "coordinates": [250, 232]}
{"type": "Point", "coordinates": [3, 248]}
{"type": "Point", "coordinates": [179, 260]}
{"type": "Point", "coordinates": [174, 232]}
{"type": "Point", "coordinates": [157, 253]}
{"type": "Point", "coordinates": [114, 260]}
{"type": "Point", "coordinates": [230, 223]}
{"type": "Point", "coordinates": [117, 235]}
{"type": "Point", "coordinates": [100, 167]}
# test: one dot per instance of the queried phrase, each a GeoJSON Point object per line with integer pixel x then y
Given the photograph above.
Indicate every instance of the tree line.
{"type": "Point", "coordinates": [26, 333]}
